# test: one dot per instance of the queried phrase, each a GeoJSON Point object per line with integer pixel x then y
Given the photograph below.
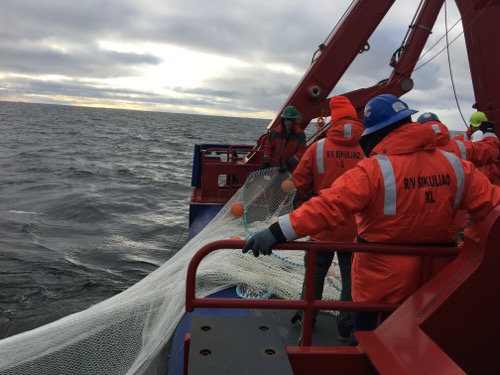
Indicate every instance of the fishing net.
{"type": "Point", "coordinates": [126, 333]}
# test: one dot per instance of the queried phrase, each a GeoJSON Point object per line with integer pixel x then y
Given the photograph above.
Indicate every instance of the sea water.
{"type": "Point", "coordinates": [92, 201]}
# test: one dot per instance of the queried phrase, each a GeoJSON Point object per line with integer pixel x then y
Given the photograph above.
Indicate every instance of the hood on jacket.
{"type": "Point", "coordinates": [441, 130]}
{"type": "Point", "coordinates": [345, 128]}
{"type": "Point", "coordinates": [408, 138]}
{"type": "Point", "coordinates": [341, 107]}
{"type": "Point", "coordinates": [345, 131]}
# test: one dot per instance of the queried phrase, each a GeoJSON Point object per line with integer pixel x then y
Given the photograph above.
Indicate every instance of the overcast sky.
{"type": "Point", "coordinates": [218, 57]}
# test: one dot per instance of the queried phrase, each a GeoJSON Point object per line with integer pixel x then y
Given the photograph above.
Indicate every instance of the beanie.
{"type": "Point", "coordinates": [341, 107]}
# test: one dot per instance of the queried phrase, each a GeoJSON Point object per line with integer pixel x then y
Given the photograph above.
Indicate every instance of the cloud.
{"type": "Point", "coordinates": [95, 63]}
{"type": "Point", "coordinates": [219, 57]}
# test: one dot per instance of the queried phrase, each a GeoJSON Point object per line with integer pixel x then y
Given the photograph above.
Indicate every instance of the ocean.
{"type": "Point", "coordinates": [92, 201]}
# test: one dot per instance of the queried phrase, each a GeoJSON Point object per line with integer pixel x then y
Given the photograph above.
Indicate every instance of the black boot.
{"type": "Point", "coordinates": [297, 317]}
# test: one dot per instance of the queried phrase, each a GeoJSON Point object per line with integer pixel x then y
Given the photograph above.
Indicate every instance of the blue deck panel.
{"type": "Point", "coordinates": [200, 215]}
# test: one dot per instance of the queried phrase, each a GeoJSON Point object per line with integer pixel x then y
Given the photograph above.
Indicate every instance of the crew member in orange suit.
{"type": "Point", "coordinates": [405, 191]}
{"type": "Point", "coordinates": [491, 171]}
{"type": "Point", "coordinates": [483, 154]}
{"type": "Point", "coordinates": [286, 144]}
{"type": "Point", "coordinates": [323, 162]}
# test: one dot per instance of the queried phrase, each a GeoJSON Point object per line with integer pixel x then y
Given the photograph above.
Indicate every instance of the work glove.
{"type": "Point", "coordinates": [260, 243]}
{"type": "Point", "coordinates": [266, 165]}
{"type": "Point", "coordinates": [487, 127]}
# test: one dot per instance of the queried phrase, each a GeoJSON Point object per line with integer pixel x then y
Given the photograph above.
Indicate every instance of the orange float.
{"type": "Point", "coordinates": [237, 209]}
{"type": "Point", "coordinates": [234, 238]}
{"type": "Point", "coordinates": [287, 186]}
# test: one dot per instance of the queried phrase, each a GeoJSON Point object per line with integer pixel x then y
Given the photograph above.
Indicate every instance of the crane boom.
{"type": "Point", "coordinates": [351, 36]}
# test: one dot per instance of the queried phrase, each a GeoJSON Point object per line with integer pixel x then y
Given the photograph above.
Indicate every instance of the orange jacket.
{"type": "Point", "coordinates": [405, 192]}
{"type": "Point", "coordinates": [483, 154]}
{"type": "Point", "coordinates": [492, 172]}
{"type": "Point", "coordinates": [472, 227]}
{"type": "Point", "coordinates": [480, 153]}
{"type": "Point", "coordinates": [325, 161]}
{"type": "Point", "coordinates": [281, 148]}
{"type": "Point", "coordinates": [496, 173]}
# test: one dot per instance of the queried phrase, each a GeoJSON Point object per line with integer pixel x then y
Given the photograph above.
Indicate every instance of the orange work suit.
{"type": "Point", "coordinates": [496, 173]}
{"type": "Point", "coordinates": [480, 153]}
{"type": "Point", "coordinates": [406, 192]}
{"type": "Point", "coordinates": [325, 161]}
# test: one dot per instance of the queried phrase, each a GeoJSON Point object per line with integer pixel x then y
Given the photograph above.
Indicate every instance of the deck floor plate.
{"type": "Point", "coordinates": [236, 345]}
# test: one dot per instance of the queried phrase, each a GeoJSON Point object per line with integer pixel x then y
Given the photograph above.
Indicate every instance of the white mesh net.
{"type": "Point", "coordinates": [126, 333]}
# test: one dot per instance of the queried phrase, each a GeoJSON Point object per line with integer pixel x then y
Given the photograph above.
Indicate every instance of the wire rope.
{"type": "Point", "coordinates": [449, 63]}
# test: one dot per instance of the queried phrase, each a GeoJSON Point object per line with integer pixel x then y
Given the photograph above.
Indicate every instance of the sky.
{"type": "Point", "coordinates": [219, 57]}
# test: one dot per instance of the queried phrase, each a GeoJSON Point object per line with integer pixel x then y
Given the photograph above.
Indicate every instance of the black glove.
{"type": "Point", "coordinates": [283, 168]}
{"type": "Point", "coordinates": [487, 127]}
{"type": "Point", "coordinates": [266, 165]}
{"type": "Point", "coordinates": [260, 243]}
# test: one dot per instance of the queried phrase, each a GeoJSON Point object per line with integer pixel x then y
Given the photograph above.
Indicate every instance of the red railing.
{"type": "Point", "coordinates": [308, 304]}
{"type": "Point", "coordinates": [225, 170]}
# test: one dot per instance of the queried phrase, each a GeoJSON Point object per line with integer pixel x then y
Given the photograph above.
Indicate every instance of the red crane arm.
{"type": "Point", "coordinates": [480, 19]}
{"type": "Point", "coordinates": [347, 40]}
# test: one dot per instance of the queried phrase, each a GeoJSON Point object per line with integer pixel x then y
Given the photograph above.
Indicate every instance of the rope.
{"type": "Point", "coordinates": [244, 295]}
{"type": "Point", "coordinates": [449, 63]}
{"type": "Point", "coordinates": [286, 260]}
{"type": "Point", "coordinates": [447, 47]}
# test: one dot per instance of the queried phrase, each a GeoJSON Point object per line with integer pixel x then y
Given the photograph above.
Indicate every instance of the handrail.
{"type": "Point", "coordinates": [308, 304]}
{"type": "Point", "coordinates": [229, 151]}
{"type": "Point", "coordinates": [223, 170]}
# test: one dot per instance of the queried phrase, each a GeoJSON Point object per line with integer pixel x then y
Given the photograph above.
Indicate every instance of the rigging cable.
{"type": "Point", "coordinates": [399, 51]}
{"type": "Point", "coordinates": [448, 43]}
{"type": "Point", "coordinates": [323, 45]}
{"type": "Point", "coordinates": [449, 63]}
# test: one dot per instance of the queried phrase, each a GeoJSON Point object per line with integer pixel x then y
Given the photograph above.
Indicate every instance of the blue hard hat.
{"type": "Point", "coordinates": [384, 110]}
{"type": "Point", "coordinates": [427, 116]}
